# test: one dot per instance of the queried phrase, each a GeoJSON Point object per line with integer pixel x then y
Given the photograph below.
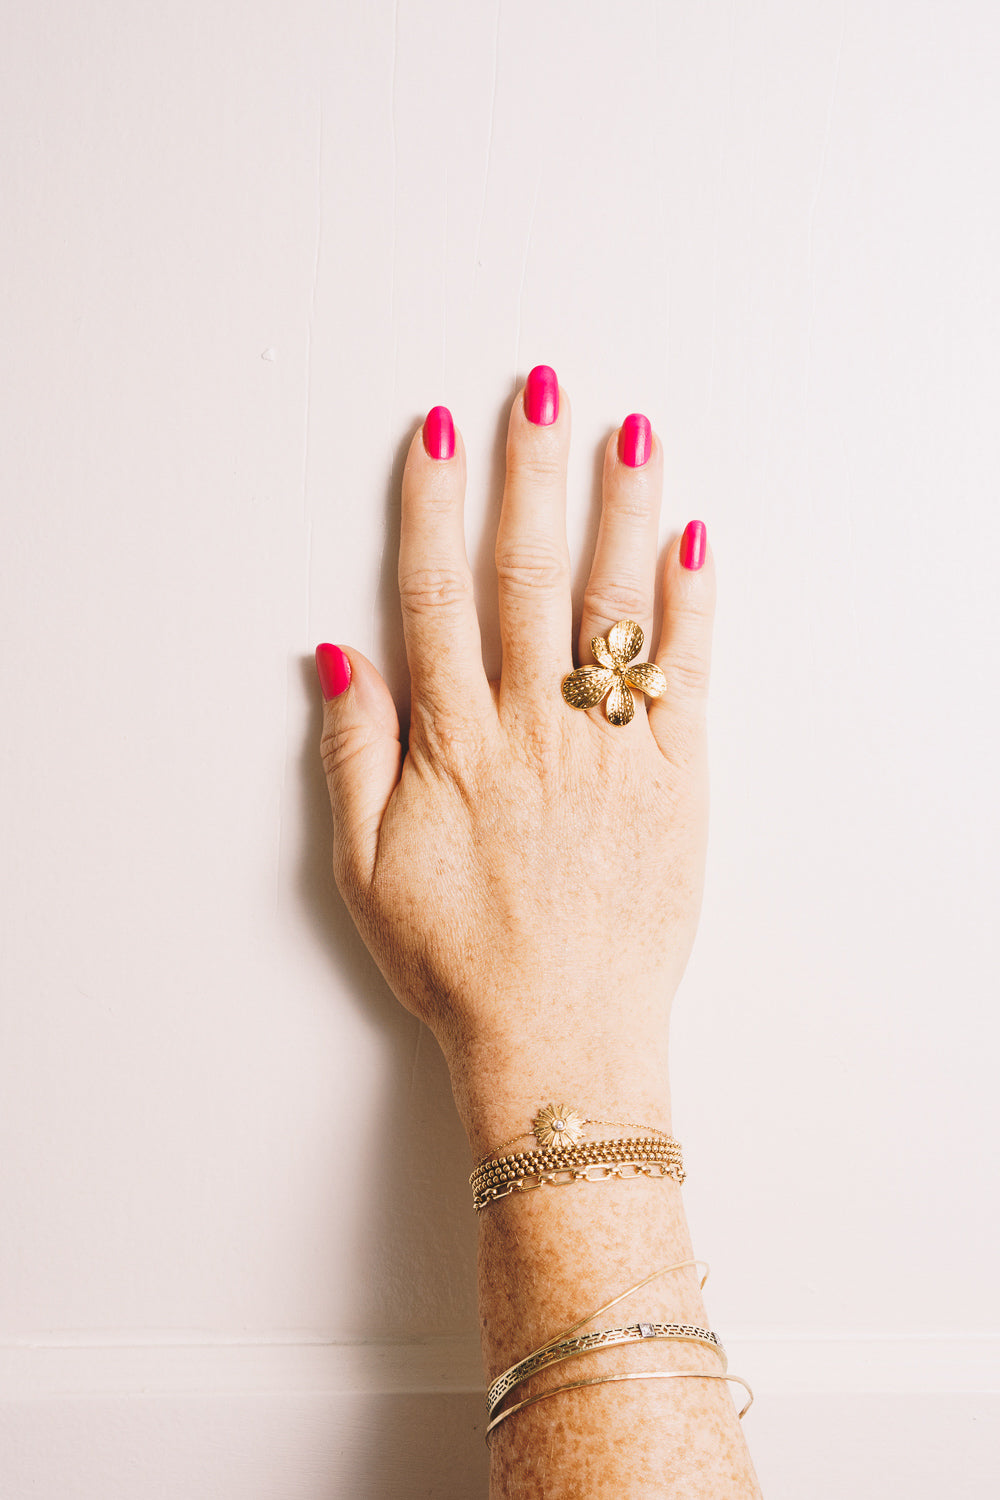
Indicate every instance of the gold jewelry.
{"type": "Point", "coordinates": [608, 1338]}
{"type": "Point", "coordinates": [555, 1166]}
{"type": "Point", "coordinates": [563, 1124]}
{"type": "Point", "coordinates": [616, 675]}
{"type": "Point", "coordinates": [639, 1285]}
{"type": "Point", "coordinates": [598, 1312]}
{"type": "Point", "coordinates": [560, 1338]}
{"type": "Point", "coordinates": [578, 1385]}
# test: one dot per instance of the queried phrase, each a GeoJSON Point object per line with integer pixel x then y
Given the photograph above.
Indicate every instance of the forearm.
{"type": "Point", "coordinates": [548, 1256]}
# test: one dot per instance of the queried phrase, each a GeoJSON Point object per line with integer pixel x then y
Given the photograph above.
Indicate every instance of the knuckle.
{"type": "Point", "coordinates": [348, 872]}
{"type": "Point", "coordinates": [538, 466]}
{"type": "Point", "coordinates": [525, 571]}
{"type": "Point", "coordinates": [681, 735]}
{"type": "Point", "coordinates": [446, 744]}
{"type": "Point", "coordinates": [425, 590]}
{"type": "Point", "coordinates": [341, 744]}
{"type": "Point", "coordinates": [617, 600]}
{"type": "Point", "coordinates": [688, 672]}
{"type": "Point", "coordinates": [634, 504]}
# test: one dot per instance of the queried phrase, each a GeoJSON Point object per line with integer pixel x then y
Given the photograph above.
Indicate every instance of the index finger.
{"type": "Point", "coordinates": [440, 626]}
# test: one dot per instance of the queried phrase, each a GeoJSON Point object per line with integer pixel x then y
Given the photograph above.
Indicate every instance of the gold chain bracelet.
{"type": "Point", "coordinates": [558, 1165]}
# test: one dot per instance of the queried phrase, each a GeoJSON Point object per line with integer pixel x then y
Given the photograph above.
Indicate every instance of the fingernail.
{"type": "Point", "coordinates": [334, 671]}
{"type": "Point", "coordinates": [635, 441]}
{"type": "Point", "coordinates": [693, 546]}
{"type": "Point", "coordinates": [541, 396]}
{"type": "Point", "coordinates": [439, 433]}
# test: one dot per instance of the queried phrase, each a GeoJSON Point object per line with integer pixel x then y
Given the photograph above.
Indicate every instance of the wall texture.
{"type": "Point", "coordinates": [243, 248]}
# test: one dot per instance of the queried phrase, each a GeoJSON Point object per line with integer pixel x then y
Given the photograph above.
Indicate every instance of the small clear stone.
{"type": "Point", "coordinates": [558, 1124]}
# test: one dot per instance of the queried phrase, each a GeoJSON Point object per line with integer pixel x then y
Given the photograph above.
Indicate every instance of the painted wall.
{"type": "Point", "coordinates": [243, 248]}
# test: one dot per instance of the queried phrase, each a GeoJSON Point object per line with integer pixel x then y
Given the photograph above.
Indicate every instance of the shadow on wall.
{"type": "Point", "coordinates": [407, 1447]}
{"type": "Point", "coordinates": [413, 1273]}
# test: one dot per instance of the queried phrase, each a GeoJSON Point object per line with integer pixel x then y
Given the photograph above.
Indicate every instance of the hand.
{"type": "Point", "coordinates": [528, 875]}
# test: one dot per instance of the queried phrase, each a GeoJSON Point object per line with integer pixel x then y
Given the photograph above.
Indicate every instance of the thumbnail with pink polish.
{"type": "Point", "coordinates": [333, 669]}
{"type": "Point", "coordinates": [439, 433]}
{"type": "Point", "coordinates": [541, 396]}
{"type": "Point", "coordinates": [693, 546]}
{"type": "Point", "coordinates": [635, 441]}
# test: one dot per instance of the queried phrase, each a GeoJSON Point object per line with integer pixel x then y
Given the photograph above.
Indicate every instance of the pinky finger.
{"type": "Point", "coordinates": [677, 717]}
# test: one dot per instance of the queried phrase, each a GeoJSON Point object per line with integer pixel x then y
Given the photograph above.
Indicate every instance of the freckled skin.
{"type": "Point", "coordinates": [541, 1265]}
{"type": "Point", "coordinates": [528, 877]}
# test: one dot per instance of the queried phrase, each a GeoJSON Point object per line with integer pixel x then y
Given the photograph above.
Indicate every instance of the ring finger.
{"type": "Point", "coordinates": [622, 583]}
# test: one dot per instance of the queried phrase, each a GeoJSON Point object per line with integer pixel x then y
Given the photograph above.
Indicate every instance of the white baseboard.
{"type": "Point", "coordinates": [171, 1364]}
{"type": "Point", "coordinates": [835, 1418]}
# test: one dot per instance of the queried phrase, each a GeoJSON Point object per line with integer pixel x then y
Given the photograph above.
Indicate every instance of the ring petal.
{"type": "Point", "coordinates": [647, 677]}
{"type": "Point", "coordinates": [625, 640]}
{"type": "Point", "coordinates": [620, 704]}
{"type": "Point", "coordinates": [587, 686]}
{"type": "Point", "coordinates": [599, 646]}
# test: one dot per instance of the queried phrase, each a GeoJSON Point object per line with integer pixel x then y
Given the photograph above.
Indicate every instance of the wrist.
{"type": "Point", "coordinates": [499, 1097]}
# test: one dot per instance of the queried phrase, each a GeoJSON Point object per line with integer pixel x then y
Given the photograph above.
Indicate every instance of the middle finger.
{"type": "Point", "coordinates": [532, 554]}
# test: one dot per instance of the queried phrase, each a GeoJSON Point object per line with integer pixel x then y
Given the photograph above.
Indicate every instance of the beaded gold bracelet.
{"type": "Point", "coordinates": [558, 1165]}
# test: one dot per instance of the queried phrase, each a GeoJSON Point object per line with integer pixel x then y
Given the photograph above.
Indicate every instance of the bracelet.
{"type": "Point", "coordinates": [557, 1165]}
{"type": "Point", "coordinates": [563, 1125]}
{"type": "Point", "coordinates": [598, 1312]}
{"type": "Point", "coordinates": [578, 1385]}
{"type": "Point", "coordinates": [608, 1338]}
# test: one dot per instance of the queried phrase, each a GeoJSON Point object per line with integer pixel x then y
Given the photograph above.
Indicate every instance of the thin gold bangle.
{"type": "Point", "coordinates": [589, 1343]}
{"type": "Point", "coordinates": [578, 1385]}
{"type": "Point", "coordinates": [599, 1311]}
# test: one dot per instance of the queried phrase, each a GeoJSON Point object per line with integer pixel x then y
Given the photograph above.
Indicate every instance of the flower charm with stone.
{"type": "Point", "coordinates": [616, 676]}
{"type": "Point", "coordinates": [558, 1125]}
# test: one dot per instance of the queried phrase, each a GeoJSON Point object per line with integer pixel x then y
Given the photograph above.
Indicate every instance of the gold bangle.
{"type": "Point", "coordinates": [587, 1343]}
{"type": "Point", "coordinates": [598, 1312]}
{"type": "Point", "coordinates": [638, 1286]}
{"type": "Point", "coordinates": [578, 1385]}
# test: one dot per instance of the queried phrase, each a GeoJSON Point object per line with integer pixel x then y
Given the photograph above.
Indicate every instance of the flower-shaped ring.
{"type": "Point", "coordinates": [616, 675]}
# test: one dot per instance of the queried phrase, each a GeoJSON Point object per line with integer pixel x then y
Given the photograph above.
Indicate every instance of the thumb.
{"type": "Point", "coordinates": [362, 757]}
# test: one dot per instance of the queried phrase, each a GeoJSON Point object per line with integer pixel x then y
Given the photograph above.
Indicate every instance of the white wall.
{"type": "Point", "coordinates": [243, 248]}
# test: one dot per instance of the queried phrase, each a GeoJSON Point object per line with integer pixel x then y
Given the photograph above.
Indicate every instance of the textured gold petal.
{"type": "Point", "coordinates": [599, 646]}
{"type": "Point", "coordinates": [625, 640]}
{"type": "Point", "coordinates": [620, 705]}
{"type": "Point", "coordinates": [647, 677]}
{"type": "Point", "coordinates": [586, 686]}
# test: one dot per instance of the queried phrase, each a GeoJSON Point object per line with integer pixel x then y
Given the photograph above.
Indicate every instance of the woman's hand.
{"type": "Point", "coordinates": [528, 875]}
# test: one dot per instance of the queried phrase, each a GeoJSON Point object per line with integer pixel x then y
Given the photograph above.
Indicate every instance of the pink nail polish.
{"type": "Point", "coordinates": [693, 546]}
{"type": "Point", "coordinates": [541, 396]}
{"type": "Point", "coordinates": [439, 433]}
{"type": "Point", "coordinates": [635, 441]}
{"type": "Point", "coordinates": [334, 671]}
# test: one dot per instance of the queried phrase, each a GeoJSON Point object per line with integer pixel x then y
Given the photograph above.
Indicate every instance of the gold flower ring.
{"type": "Point", "coordinates": [616, 676]}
